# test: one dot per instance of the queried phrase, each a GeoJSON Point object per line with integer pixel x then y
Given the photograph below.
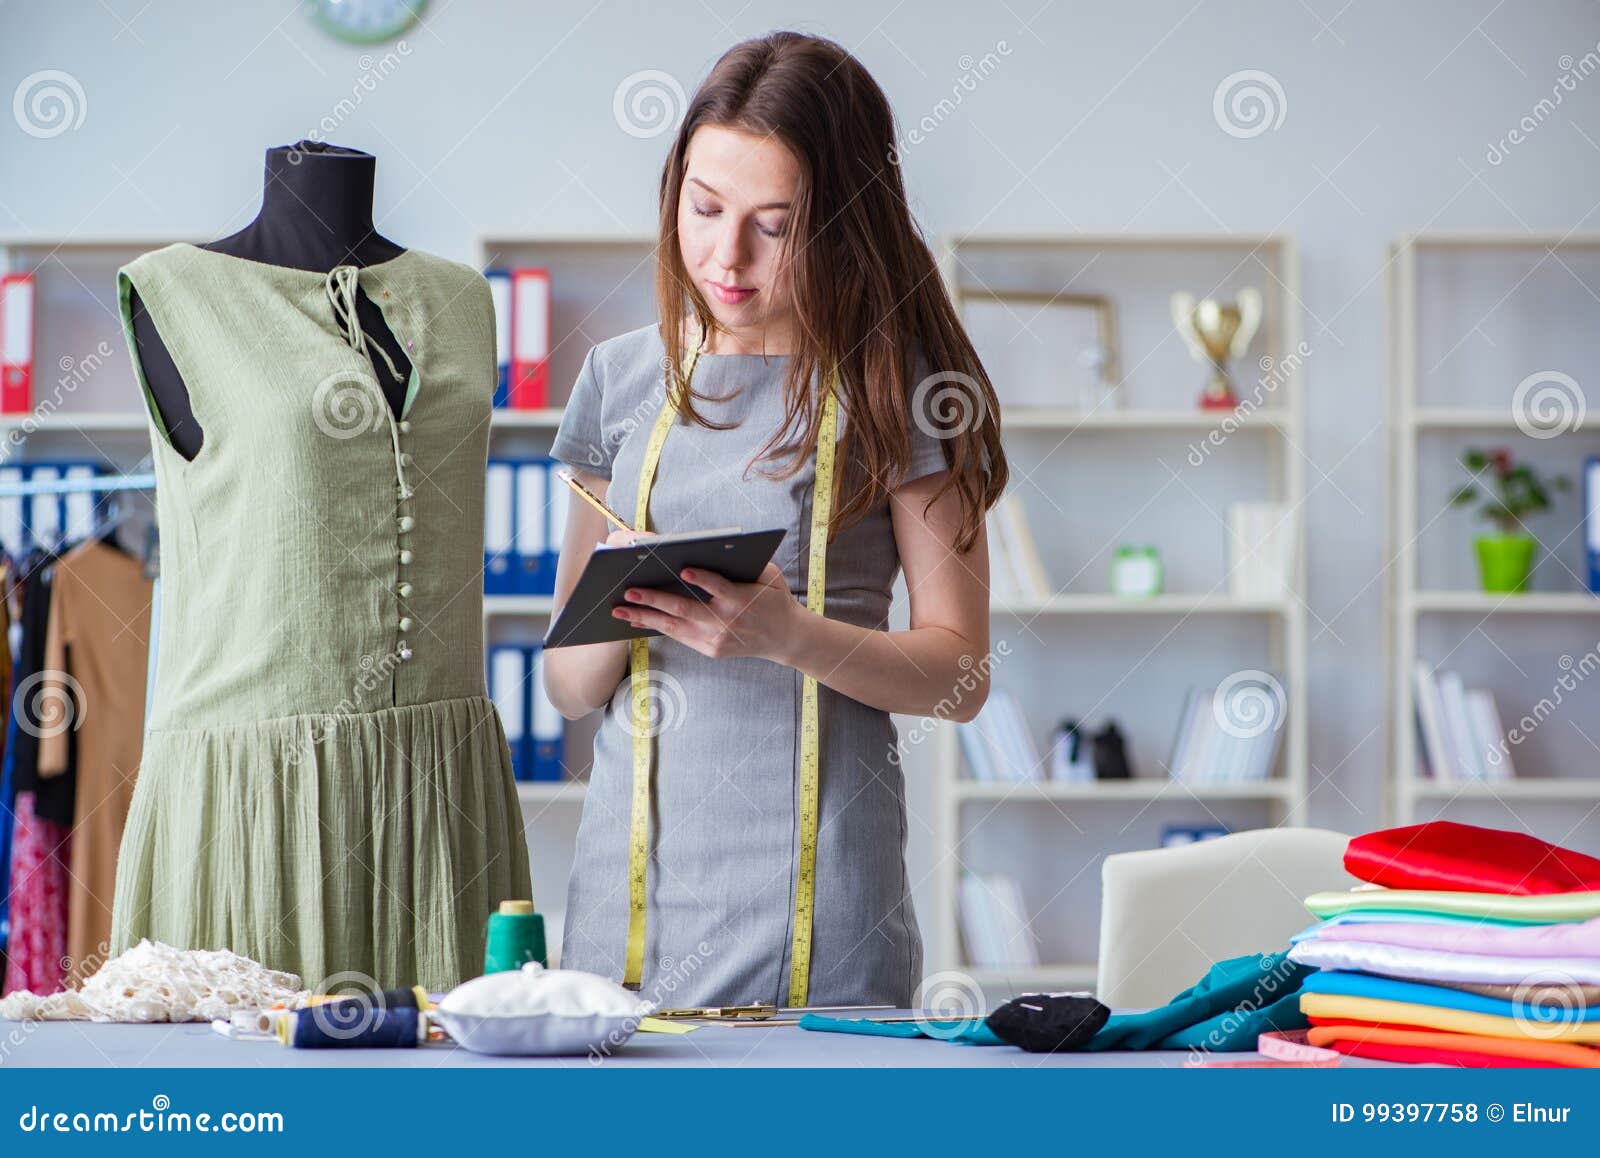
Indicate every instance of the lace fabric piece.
{"type": "Point", "coordinates": [155, 982]}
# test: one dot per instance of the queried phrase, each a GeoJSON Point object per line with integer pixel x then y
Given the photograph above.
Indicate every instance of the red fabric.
{"type": "Point", "coordinates": [1418, 1055]}
{"type": "Point", "coordinates": [1442, 854]}
{"type": "Point", "coordinates": [37, 946]}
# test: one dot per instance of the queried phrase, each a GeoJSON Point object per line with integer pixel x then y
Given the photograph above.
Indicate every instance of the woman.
{"type": "Point", "coordinates": [745, 841]}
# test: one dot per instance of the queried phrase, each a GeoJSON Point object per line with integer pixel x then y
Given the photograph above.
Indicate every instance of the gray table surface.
{"type": "Point", "coordinates": [90, 1044]}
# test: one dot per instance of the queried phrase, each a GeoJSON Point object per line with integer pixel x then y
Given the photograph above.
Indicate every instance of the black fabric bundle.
{"type": "Point", "coordinates": [1049, 1023]}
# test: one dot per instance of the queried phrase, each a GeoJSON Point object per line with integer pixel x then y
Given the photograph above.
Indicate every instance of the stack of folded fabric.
{"type": "Point", "coordinates": [1470, 946]}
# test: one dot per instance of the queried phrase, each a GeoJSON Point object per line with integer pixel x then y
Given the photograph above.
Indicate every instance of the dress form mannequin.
{"type": "Point", "coordinates": [316, 213]}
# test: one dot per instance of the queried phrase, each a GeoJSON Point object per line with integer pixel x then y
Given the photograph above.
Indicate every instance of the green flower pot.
{"type": "Point", "coordinates": [1505, 561]}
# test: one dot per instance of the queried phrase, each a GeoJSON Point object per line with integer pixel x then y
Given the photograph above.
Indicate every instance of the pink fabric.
{"type": "Point", "coordinates": [1569, 939]}
{"type": "Point", "coordinates": [38, 944]}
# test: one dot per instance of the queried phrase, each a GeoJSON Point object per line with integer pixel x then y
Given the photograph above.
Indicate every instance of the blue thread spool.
{"type": "Point", "coordinates": [352, 1025]}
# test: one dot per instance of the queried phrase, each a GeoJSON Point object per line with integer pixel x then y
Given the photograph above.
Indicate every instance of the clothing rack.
{"type": "Point", "coordinates": [120, 482]}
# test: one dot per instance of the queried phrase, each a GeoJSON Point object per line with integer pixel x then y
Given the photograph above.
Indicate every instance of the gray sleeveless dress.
{"type": "Point", "coordinates": [325, 786]}
{"type": "Point", "coordinates": [724, 844]}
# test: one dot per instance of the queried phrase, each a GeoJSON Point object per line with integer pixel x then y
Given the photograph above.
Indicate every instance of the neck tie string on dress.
{"type": "Point", "coordinates": [342, 287]}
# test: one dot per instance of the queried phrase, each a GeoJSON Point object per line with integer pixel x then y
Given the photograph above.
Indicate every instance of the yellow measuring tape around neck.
{"type": "Point", "coordinates": [810, 733]}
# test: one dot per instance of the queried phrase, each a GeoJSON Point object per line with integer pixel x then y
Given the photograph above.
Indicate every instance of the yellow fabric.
{"type": "Point", "coordinates": [1341, 1007]}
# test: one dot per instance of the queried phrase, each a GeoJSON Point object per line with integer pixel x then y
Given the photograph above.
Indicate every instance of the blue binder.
{"type": "Point", "coordinates": [547, 728]}
{"type": "Point", "coordinates": [500, 291]}
{"type": "Point", "coordinates": [508, 688]}
{"type": "Point", "coordinates": [499, 527]}
{"type": "Point", "coordinates": [559, 500]}
{"type": "Point", "coordinates": [535, 575]}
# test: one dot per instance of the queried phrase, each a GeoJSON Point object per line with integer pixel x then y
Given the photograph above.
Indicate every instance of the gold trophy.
{"type": "Point", "coordinates": [1214, 332]}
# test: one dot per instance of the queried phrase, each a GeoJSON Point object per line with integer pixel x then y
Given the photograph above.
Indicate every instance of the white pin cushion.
{"type": "Point", "coordinates": [537, 1011]}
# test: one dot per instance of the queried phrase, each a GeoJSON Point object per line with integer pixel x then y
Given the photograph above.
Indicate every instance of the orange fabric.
{"type": "Point", "coordinates": [1509, 1051]}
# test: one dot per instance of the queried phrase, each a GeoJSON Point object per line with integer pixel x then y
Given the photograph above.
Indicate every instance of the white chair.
{"type": "Point", "coordinates": [1168, 914]}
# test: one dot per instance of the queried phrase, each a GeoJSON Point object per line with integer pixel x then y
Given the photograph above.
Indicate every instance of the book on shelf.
{"type": "Point", "coordinates": [1261, 538]}
{"type": "Point", "coordinates": [995, 928]}
{"type": "Point", "coordinates": [1460, 737]}
{"type": "Point", "coordinates": [1209, 747]}
{"type": "Point", "coordinates": [997, 744]}
{"type": "Point", "coordinates": [1016, 570]}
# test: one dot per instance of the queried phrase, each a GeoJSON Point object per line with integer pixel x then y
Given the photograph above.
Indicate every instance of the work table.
{"type": "Point", "coordinates": [94, 1044]}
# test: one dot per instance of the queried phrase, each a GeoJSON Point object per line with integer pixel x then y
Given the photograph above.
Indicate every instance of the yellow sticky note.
{"type": "Point", "coordinates": [663, 1025]}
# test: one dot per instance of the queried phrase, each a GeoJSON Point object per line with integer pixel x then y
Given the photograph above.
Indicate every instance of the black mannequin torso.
{"type": "Point", "coordinates": [316, 213]}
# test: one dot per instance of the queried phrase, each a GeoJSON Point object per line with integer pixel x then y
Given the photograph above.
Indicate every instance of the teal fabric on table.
{"type": "Point", "coordinates": [1225, 1011]}
{"type": "Point", "coordinates": [961, 1031]}
{"type": "Point", "coordinates": [1353, 984]}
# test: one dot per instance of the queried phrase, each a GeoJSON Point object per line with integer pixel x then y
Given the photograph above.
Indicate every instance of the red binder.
{"type": "Point", "coordinates": [530, 339]}
{"type": "Point", "coordinates": [16, 343]}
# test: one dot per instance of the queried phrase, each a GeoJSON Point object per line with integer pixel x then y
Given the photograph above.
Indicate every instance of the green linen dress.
{"type": "Point", "coordinates": [325, 786]}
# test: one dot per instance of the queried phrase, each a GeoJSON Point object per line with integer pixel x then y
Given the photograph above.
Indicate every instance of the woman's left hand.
{"type": "Point", "coordinates": [744, 619]}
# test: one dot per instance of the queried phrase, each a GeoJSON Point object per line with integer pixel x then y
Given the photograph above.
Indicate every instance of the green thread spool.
{"type": "Point", "coordinates": [516, 936]}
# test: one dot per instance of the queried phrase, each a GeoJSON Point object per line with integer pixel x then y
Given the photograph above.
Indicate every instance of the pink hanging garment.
{"type": "Point", "coordinates": [38, 941]}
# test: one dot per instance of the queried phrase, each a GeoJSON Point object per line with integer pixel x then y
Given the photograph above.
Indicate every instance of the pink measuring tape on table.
{"type": "Point", "coordinates": [1281, 1049]}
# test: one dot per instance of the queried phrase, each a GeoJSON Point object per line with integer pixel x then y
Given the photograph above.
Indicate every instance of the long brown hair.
{"type": "Point", "coordinates": [868, 297]}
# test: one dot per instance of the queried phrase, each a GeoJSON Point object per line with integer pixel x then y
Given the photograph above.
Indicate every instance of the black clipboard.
{"type": "Point", "coordinates": [739, 556]}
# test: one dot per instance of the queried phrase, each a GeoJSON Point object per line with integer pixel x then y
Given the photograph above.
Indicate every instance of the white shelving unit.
{"type": "Point", "coordinates": [1072, 826]}
{"type": "Point", "coordinates": [601, 286]}
{"type": "Point", "coordinates": [1471, 316]}
{"type": "Point", "coordinates": [86, 402]}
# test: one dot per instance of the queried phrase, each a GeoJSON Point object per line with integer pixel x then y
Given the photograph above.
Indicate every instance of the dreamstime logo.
{"type": "Point", "coordinates": [74, 373]}
{"type": "Point", "coordinates": [1248, 704]}
{"type": "Point", "coordinates": [49, 103]}
{"type": "Point", "coordinates": [355, 1008]}
{"type": "Point", "coordinates": [648, 103]}
{"type": "Point", "coordinates": [1572, 71]}
{"type": "Point", "coordinates": [948, 404]}
{"type": "Point", "coordinates": [669, 975]}
{"type": "Point", "coordinates": [973, 674]}
{"type": "Point", "coordinates": [1248, 103]}
{"type": "Point", "coordinates": [48, 703]}
{"type": "Point", "coordinates": [1274, 373]}
{"type": "Point", "coordinates": [1547, 1003]}
{"type": "Point", "coordinates": [1548, 403]}
{"type": "Point", "coordinates": [346, 403]}
{"type": "Point", "coordinates": [366, 82]}
{"type": "Point", "coordinates": [1573, 673]}
{"type": "Point", "coordinates": [1276, 973]}
{"type": "Point", "coordinates": [972, 71]}
{"type": "Point", "coordinates": [666, 706]}
{"type": "Point", "coordinates": [951, 996]}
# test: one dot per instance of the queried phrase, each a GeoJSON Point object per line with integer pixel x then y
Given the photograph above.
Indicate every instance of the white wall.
{"type": "Point", "coordinates": [1098, 117]}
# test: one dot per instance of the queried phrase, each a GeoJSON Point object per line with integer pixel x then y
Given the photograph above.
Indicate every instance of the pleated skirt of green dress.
{"type": "Point", "coordinates": [368, 851]}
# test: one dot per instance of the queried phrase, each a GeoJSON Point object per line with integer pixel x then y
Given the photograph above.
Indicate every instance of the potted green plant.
{"type": "Point", "coordinates": [1511, 493]}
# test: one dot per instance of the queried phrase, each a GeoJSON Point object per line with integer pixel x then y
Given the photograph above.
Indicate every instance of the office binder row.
{"type": "Point", "coordinates": [525, 515]}
{"type": "Point", "coordinates": [534, 729]}
{"type": "Point", "coordinates": [522, 334]}
{"type": "Point", "coordinates": [47, 520]}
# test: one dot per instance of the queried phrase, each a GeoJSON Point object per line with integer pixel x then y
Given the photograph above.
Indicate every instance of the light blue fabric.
{"type": "Point", "coordinates": [1394, 917]}
{"type": "Point", "coordinates": [969, 1031]}
{"type": "Point", "coordinates": [1352, 984]}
